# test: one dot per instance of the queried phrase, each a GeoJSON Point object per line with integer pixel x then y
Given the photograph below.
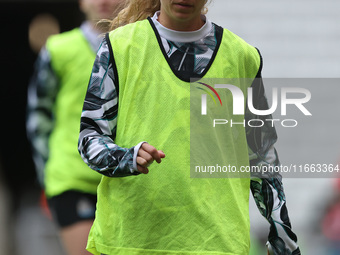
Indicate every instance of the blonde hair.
{"type": "Point", "coordinates": [135, 10]}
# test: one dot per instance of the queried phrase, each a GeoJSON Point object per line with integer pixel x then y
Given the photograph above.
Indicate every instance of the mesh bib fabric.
{"type": "Point", "coordinates": [72, 60]}
{"type": "Point", "coordinates": [166, 211]}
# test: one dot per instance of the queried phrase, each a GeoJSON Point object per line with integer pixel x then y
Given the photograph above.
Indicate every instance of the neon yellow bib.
{"type": "Point", "coordinates": [72, 60]}
{"type": "Point", "coordinates": [166, 211]}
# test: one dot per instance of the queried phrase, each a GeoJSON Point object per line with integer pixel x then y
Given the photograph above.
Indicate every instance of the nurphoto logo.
{"type": "Point", "coordinates": [239, 102]}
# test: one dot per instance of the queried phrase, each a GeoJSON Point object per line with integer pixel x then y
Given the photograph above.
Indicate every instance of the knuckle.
{"type": "Point", "coordinates": [143, 162]}
{"type": "Point", "coordinates": [154, 151]}
{"type": "Point", "coordinates": [149, 159]}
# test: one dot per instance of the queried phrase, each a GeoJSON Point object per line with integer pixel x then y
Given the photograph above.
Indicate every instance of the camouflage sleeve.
{"type": "Point", "coordinates": [99, 120]}
{"type": "Point", "coordinates": [267, 189]}
{"type": "Point", "coordinates": [42, 92]}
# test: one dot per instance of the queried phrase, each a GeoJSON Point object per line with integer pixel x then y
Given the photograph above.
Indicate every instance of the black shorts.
{"type": "Point", "coordinates": [71, 207]}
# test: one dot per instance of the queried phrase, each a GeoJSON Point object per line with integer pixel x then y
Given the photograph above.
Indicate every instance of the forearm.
{"type": "Point", "coordinates": [101, 154]}
{"type": "Point", "coordinates": [270, 199]}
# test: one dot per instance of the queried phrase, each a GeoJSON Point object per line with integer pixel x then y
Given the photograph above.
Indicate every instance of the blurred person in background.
{"type": "Point", "coordinates": [330, 223]}
{"type": "Point", "coordinates": [55, 98]}
{"type": "Point", "coordinates": [140, 91]}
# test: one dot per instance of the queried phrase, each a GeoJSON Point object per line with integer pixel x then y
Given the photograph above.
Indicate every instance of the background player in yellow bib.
{"type": "Point", "coordinates": [137, 111]}
{"type": "Point", "coordinates": [55, 100]}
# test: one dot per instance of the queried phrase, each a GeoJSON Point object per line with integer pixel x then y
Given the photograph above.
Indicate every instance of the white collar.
{"type": "Point", "coordinates": [92, 35]}
{"type": "Point", "coordinates": [180, 36]}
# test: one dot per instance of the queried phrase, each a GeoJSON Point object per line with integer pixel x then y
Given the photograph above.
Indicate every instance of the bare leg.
{"type": "Point", "coordinates": [74, 237]}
